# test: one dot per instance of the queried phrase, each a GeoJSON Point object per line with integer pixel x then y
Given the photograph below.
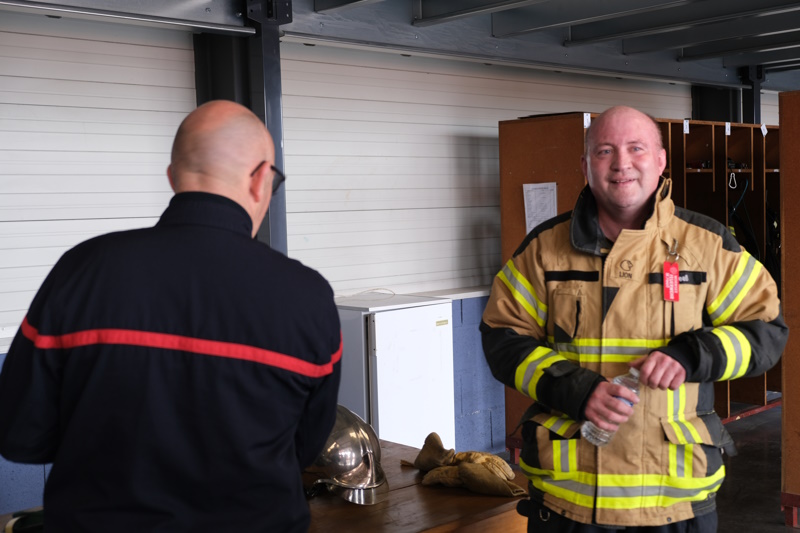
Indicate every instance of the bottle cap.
{"type": "Point", "coordinates": [634, 372]}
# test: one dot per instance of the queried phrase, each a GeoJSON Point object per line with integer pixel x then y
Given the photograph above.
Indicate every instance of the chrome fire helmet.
{"type": "Point", "coordinates": [350, 462]}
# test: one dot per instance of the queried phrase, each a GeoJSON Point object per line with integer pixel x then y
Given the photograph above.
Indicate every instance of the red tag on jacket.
{"type": "Point", "coordinates": [671, 281]}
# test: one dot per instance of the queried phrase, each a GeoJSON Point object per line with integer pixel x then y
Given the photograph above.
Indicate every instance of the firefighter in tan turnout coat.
{"type": "Point", "coordinates": [585, 297]}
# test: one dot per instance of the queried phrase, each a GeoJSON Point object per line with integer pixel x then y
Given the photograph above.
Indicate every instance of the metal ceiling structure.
{"type": "Point", "coordinates": [718, 43]}
{"type": "Point", "coordinates": [740, 44]}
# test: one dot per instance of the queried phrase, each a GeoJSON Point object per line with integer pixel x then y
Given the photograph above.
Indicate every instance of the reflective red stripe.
{"type": "Point", "coordinates": [178, 342]}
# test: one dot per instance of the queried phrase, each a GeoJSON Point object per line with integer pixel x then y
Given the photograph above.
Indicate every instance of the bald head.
{"type": "Point", "coordinates": [216, 148]}
{"type": "Point", "coordinates": [617, 112]}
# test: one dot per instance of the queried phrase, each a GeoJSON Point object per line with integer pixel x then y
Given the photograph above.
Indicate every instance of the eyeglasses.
{"type": "Point", "coordinates": [276, 181]}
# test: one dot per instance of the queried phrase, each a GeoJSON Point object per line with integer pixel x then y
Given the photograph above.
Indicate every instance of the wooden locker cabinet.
{"type": "Point", "coordinates": [788, 170]}
{"type": "Point", "coordinates": [704, 159]}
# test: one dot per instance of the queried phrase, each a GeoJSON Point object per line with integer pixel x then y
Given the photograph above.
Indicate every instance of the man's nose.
{"type": "Point", "coordinates": [622, 159]}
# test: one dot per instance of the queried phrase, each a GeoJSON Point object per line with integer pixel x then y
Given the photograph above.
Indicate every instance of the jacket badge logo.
{"type": "Point", "coordinates": [626, 266]}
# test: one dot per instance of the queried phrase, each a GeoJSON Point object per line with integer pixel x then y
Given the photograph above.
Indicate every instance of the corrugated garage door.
{"type": "Point", "coordinates": [87, 115]}
{"type": "Point", "coordinates": [393, 159]}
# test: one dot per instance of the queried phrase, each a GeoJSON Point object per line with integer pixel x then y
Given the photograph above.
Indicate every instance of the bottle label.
{"type": "Point", "coordinates": [623, 400]}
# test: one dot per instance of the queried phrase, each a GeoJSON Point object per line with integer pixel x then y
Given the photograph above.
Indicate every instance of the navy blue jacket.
{"type": "Point", "coordinates": [179, 378]}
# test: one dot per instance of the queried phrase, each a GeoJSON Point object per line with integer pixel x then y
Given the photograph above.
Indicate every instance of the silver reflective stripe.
{"type": "Point", "coordinates": [564, 444]}
{"type": "Point", "coordinates": [599, 350]}
{"type": "Point", "coordinates": [737, 348]}
{"type": "Point", "coordinates": [530, 370]}
{"type": "Point", "coordinates": [735, 291]}
{"type": "Point", "coordinates": [670, 492]}
{"type": "Point", "coordinates": [560, 425]}
{"type": "Point", "coordinates": [570, 485]}
{"type": "Point", "coordinates": [677, 413]}
{"type": "Point", "coordinates": [523, 291]}
{"type": "Point", "coordinates": [627, 492]}
{"type": "Point", "coordinates": [680, 460]}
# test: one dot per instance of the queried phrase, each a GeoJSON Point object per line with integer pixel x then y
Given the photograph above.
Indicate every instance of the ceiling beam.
{"type": "Point", "coordinates": [699, 12]}
{"type": "Point", "coordinates": [561, 13]}
{"type": "Point", "coordinates": [762, 58]}
{"type": "Point", "coordinates": [430, 12]}
{"type": "Point", "coordinates": [741, 46]}
{"type": "Point", "coordinates": [782, 67]}
{"type": "Point", "coordinates": [328, 6]}
{"type": "Point", "coordinates": [708, 33]}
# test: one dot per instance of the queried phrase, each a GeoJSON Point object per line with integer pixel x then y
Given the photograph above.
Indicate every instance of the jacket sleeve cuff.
{"type": "Point", "coordinates": [566, 387]}
{"type": "Point", "coordinates": [683, 355]}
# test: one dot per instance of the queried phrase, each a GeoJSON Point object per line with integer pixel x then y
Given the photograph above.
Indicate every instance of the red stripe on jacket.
{"type": "Point", "coordinates": [168, 341]}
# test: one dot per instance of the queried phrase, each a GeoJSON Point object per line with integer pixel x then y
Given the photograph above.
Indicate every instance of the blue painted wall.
{"type": "Point", "coordinates": [21, 486]}
{"type": "Point", "coordinates": [479, 398]}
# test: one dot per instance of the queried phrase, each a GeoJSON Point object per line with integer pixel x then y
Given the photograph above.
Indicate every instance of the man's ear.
{"type": "Point", "coordinates": [662, 160]}
{"type": "Point", "coordinates": [171, 178]}
{"type": "Point", "coordinates": [258, 184]}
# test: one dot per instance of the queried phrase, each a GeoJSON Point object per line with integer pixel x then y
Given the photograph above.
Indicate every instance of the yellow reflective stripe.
{"type": "Point", "coordinates": [735, 289]}
{"type": "Point", "coordinates": [606, 350]}
{"type": "Point", "coordinates": [641, 343]}
{"type": "Point", "coordinates": [676, 408]}
{"type": "Point", "coordinates": [558, 457]}
{"type": "Point", "coordinates": [565, 458]}
{"type": "Point", "coordinates": [523, 292]}
{"type": "Point", "coordinates": [660, 500]}
{"type": "Point", "coordinates": [537, 375]}
{"type": "Point", "coordinates": [653, 490]}
{"type": "Point", "coordinates": [560, 491]}
{"type": "Point", "coordinates": [575, 487]}
{"type": "Point", "coordinates": [573, 455]}
{"type": "Point", "coordinates": [688, 460]}
{"type": "Point", "coordinates": [559, 424]}
{"type": "Point", "coordinates": [673, 460]}
{"type": "Point", "coordinates": [617, 491]}
{"type": "Point", "coordinates": [738, 352]}
{"type": "Point", "coordinates": [531, 369]}
{"type": "Point", "coordinates": [681, 457]}
{"type": "Point", "coordinates": [622, 343]}
{"type": "Point", "coordinates": [682, 413]}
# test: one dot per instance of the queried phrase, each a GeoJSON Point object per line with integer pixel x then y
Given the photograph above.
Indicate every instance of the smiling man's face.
{"type": "Point", "coordinates": [623, 162]}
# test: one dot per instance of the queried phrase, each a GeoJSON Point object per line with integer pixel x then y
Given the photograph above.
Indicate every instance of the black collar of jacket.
{"type": "Point", "coordinates": [584, 229]}
{"type": "Point", "coordinates": [205, 209]}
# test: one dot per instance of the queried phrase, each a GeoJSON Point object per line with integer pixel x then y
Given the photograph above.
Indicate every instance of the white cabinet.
{"type": "Point", "coordinates": [397, 365]}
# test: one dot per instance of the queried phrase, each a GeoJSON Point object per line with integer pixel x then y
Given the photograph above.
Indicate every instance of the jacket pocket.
{"type": "Point", "coordinates": [548, 440]}
{"type": "Point", "coordinates": [694, 444]}
{"type": "Point", "coordinates": [687, 312]}
{"type": "Point", "coordinates": [556, 423]}
{"type": "Point", "coordinates": [567, 311]}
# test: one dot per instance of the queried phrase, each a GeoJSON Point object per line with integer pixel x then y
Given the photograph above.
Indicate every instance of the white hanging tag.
{"type": "Point", "coordinates": [764, 130]}
{"type": "Point", "coordinates": [587, 120]}
{"type": "Point", "coordinates": [727, 128]}
{"type": "Point", "coordinates": [686, 126]}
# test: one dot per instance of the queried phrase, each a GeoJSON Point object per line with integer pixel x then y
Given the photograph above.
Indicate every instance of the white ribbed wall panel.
{"type": "Point", "coordinates": [769, 109]}
{"type": "Point", "coordinates": [393, 161]}
{"type": "Point", "coordinates": [88, 111]}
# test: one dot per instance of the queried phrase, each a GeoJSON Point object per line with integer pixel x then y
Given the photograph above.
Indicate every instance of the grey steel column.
{"type": "Point", "coordinates": [751, 98]}
{"type": "Point", "coordinates": [266, 101]}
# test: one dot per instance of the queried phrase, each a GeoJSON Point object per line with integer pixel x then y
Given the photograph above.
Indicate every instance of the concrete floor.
{"type": "Point", "coordinates": [750, 498]}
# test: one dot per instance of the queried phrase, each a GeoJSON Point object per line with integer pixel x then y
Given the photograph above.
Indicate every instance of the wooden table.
{"type": "Point", "coordinates": [412, 507]}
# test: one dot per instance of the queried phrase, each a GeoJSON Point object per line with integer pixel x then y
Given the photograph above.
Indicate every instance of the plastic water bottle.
{"type": "Point", "coordinates": [601, 437]}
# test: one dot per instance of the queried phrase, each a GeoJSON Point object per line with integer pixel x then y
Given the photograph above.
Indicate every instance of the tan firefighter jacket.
{"type": "Point", "coordinates": [571, 309]}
